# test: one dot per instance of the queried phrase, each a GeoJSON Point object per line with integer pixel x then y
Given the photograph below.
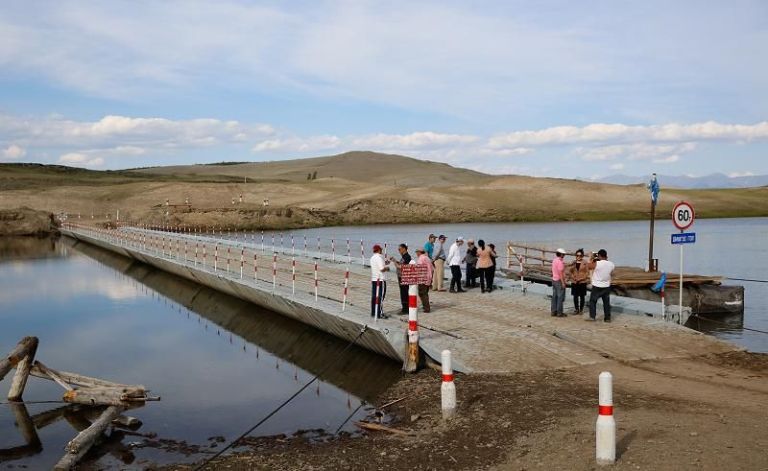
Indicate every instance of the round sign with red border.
{"type": "Point", "coordinates": [683, 215]}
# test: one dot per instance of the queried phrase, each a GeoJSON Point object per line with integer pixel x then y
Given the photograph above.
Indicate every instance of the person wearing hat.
{"type": "Point", "coordinates": [471, 261]}
{"type": "Point", "coordinates": [379, 269]}
{"type": "Point", "coordinates": [602, 270]}
{"type": "Point", "coordinates": [423, 259]}
{"type": "Point", "coordinates": [429, 246]}
{"type": "Point", "coordinates": [404, 260]}
{"type": "Point", "coordinates": [438, 256]}
{"type": "Point", "coordinates": [558, 283]}
{"type": "Point", "coordinates": [455, 259]}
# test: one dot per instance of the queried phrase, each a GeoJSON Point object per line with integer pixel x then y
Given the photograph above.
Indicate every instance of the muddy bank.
{"type": "Point", "coordinates": [670, 414]}
{"type": "Point", "coordinates": [25, 221]}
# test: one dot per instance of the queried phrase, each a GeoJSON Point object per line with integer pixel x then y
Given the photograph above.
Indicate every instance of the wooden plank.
{"type": "Point", "coordinates": [76, 379]}
{"type": "Point", "coordinates": [83, 442]}
{"type": "Point", "coordinates": [17, 354]}
{"type": "Point", "coordinates": [104, 396]}
{"type": "Point", "coordinates": [52, 374]}
{"type": "Point", "coordinates": [22, 372]}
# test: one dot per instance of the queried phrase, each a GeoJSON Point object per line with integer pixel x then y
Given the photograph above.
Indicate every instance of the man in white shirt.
{"type": "Point", "coordinates": [455, 258]}
{"type": "Point", "coordinates": [379, 269]}
{"type": "Point", "coordinates": [602, 270]}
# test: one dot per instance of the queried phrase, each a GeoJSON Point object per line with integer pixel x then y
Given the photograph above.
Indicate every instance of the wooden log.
{"type": "Point", "coordinates": [25, 424]}
{"type": "Point", "coordinates": [44, 419]}
{"type": "Point", "coordinates": [17, 354]}
{"type": "Point", "coordinates": [53, 374]}
{"type": "Point", "coordinates": [76, 379]}
{"type": "Point", "coordinates": [22, 372]}
{"type": "Point", "coordinates": [104, 396]}
{"type": "Point", "coordinates": [83, 442]}
{"type": "Point", "coordinates": [379, 428]}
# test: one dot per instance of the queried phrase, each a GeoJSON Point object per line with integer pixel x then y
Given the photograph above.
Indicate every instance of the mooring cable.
{"type": "Point", "coordinates": [696, 316]}
{"type": "Point", "coordinates": [284, 403]}
{"type": "Point", "coordinates": [746, 279]}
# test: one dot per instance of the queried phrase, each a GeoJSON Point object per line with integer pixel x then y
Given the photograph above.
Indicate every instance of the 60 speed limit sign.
{"type": "Point", "coordinates": [683, 215]}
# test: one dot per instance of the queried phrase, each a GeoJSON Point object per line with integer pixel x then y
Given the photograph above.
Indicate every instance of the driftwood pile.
{"type": "Point", "coordinates": [99, 400]}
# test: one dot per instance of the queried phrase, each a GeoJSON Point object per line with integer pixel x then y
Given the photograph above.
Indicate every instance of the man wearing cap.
{"type": "Point", "coordinates": [455, 259]}
{"type": "Point", "coordinates": [438, 256]}
{"type": "Point", "coordinates": [423, 259]}
{"type": "Point", "coordinates": [558, 283]}
{"type": "Point", "coordinates": [602, 270]}
{"type": "Point", "coordinates": [379, 269]}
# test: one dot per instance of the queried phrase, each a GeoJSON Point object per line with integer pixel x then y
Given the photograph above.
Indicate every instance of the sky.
{"type": "Point", "coordinates": [549, 88]}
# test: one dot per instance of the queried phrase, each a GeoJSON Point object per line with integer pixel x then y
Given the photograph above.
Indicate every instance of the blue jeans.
{"type": "Point", "coordinates": [558, 296]}
{"type": "Point", "coordinates": [597, 294]}
{"type": "Point", "coordinates": [382, 294]}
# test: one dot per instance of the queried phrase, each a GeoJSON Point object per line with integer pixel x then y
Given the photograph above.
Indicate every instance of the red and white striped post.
{"type": "Point", "coordinates": [293, 276]}
{"type": "Point", "coordinates": [216, 258]}
{"type": "Point", "coordinates": [377, 302]}
{"type": "Point", "coordinates": [293, 245]}
{"type": "Point", "coordinates": [262, 241]}
{"type": "Point", "coordinates": [605, 428]}
{"type": "Point", "coordinates": [385, 250]}
{"type": "Point", "coordinates": [197, 247]}
{"type": "Point", "coordinates": [274, 272]}
{"type": "Point", "coordinates": [346, 290]}
{"type": "Point", "coordinates": [281, 242]}
{"type": "Point", "coordinates": [315, 280]}
{"type": "Point", "coordinates": [663, 307]}
{"type": "Point", "coordinates": [447, 389]}
{"type": "Point", "coordinates": [412, 362]}
{"type": "Point", "coordinates": [242, 262]}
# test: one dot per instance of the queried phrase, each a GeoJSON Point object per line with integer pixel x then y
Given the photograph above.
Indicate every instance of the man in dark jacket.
{"type": "Point", "coordinates": [471, 260]}
{"type": "Point", "coordinates": [405, 259]}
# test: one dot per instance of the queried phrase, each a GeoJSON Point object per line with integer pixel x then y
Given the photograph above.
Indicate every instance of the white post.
{"type": "Point", "coordinates": [315, 280]}
{"type": "Point", "coordinates": [663, 307]}
{"type": "Point", "coordinates": [680, 311]}
{"type": "Point", "coordinates": [605, 436]}
{"type": "Point", "coordinates": [448, 389]}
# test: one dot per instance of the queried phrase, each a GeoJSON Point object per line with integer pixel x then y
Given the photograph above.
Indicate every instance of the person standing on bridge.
{"type": "Point", "coordinates": [438, 256]}
{"type": "Point", "coordinates": [578, 273]}
{"type": "Point", "coordinates": [484, 267]}
{"type": "Point", "coordinates": [429, 246]}
{"type": "Point", "coordinates": [404, 260]}
{"type": "Point", "coordinates": [471, 262]}
{"type": "Point", "coordinates": [602, 270]}
{"type": "Point", "coordinates": [423, 259]}
{"type": "Point", "coordinates": [455, 259]}
{"type": "Point", "coordinates": [379, 269]}
{"type": "Point", "coordinates": [558, 283]}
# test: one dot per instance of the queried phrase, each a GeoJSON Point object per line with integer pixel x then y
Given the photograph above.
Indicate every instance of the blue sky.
{"type": "Point", "coordinates": [551, 88]}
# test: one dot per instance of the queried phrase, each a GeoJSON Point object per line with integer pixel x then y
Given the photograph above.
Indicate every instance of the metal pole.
{"type": "Point", "coordinates": [650, 239]}
{"type": "Point", "coordinates": [680, 311]}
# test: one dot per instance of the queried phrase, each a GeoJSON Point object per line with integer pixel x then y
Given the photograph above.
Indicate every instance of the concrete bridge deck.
{"type": "Point", "coordinates": [498, 332]}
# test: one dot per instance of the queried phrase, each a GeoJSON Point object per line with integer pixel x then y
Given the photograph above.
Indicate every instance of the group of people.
{"type": "Point", "coordinates": [479, 260]}
{"type": "Point", "coordinates": [595, 270]}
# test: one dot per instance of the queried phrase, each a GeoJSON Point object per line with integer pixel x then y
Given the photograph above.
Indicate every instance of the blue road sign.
{"type": "Point", "coordinates": [684, 238]}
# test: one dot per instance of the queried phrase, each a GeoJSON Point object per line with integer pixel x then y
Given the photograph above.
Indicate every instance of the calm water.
{"type": "Point", "coordinates": [219, 364]}
{"type": "Point", "coordinates": [728, 247]}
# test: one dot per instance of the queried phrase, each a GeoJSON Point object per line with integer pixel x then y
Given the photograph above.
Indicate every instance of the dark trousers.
{"type": "Point", "coordinates": [424, 296]}
{"type": "Point", "coordinates": [472, 274]}
{"type": "Point", "coordinates": [382, 292]}
{"type": "Point", "coordinates": [578, 302]}
{"type": "Point", "coordinates": [605, 295]}
{"type": "Point", "coordinates": [486, 278]}
{"type": "Point", "coordinates": [404, 297]}
{"type": "Point", "coordinates": [456, 277]}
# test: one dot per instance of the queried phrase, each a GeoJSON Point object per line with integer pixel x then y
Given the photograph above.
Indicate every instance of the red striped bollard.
{"type": "Point", "coordinates": [447, 389]}
{"type": "Point", "coordinates": [274, 272]}
{"type": "Point", "coordinates": [412, 363]}
{"type": "Point", "coordinates": [315, 280]}
{"type": "Point", "coordinates": [242, 262]}
{"type": "Point", "coordinates": [346, 290]}
{"type": "Point", "coordinates": [293, 245]}
{"type": "Point", "coordinates": [293, 276]}
{"type": "Point", "coordinates": [605, 428]}
{"type": "Point", "coordinates": [377, 308]}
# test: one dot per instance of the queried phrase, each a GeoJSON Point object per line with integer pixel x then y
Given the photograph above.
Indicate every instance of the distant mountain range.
{"type": "Point", "coordinates": [715, 180]}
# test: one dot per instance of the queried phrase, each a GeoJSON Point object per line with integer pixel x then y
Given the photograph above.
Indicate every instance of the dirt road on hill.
{"type": "Point", "coordinates": [701, 413]}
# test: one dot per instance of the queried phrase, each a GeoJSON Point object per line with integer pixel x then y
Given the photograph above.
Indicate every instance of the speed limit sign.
{"type": "Point", "coordinates": [683, 215]}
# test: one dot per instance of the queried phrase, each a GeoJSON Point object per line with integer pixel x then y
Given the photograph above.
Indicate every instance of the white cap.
{"type": "Point", "coordinates": [561, 251]}
{"type": "Point", "coordinates": [460, 239]}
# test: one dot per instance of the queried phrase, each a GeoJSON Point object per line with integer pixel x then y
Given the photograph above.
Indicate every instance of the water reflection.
{"type": "Point", "coordinates": [219, 363]}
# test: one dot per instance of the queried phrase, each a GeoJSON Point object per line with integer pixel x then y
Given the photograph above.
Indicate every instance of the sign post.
{"type": "Point", "coordinates": [653, 188]}
{"type": "Point", "coordinates": [683, 216]}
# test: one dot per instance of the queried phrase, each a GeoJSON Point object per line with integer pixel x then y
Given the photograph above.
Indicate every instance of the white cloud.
{"type": "Point", "coordinates": [297, 144]}
{"type": "Point", "coordinates": [13, 152]}
{"type": "Point", "coordinates": [80, 160]}
{"type": "Point", "coordinates": [638, 151]}
{"type": "Point", "coordinates": [667, 160]}
{"type": "Point", "coordinates": [621, 133]}
{"type": "Point", "coordinates": [741, 174]}
{"type": "Point", "coordinates": [618, 166]}
{"type": "Point", "coordinates": [416, 140]}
